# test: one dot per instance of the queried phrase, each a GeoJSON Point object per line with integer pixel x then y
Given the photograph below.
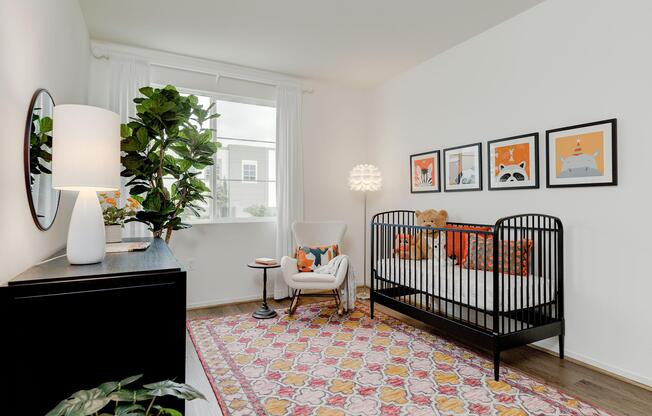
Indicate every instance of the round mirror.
{"type": "Point", "coordinates": [43, 199]}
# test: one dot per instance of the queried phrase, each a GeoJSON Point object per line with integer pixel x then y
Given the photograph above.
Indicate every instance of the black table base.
{"type": "Point", "coordinates": [264, 312]}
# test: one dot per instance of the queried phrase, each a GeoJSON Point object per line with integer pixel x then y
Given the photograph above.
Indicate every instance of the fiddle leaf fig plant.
{"type": "Point", "coordinates": [165, 148]}
{"type": "Point", "coordinates": [40, 145]}
{"type": "Point", "coordinates": [112, 399]}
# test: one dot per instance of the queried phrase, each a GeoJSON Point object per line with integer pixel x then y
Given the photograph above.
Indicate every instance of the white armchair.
{"type": "Point", "coordinates": [315, 234]}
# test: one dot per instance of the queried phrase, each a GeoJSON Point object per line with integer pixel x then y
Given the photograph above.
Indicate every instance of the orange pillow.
{"type": "Point", "coordinates": [461, 247]}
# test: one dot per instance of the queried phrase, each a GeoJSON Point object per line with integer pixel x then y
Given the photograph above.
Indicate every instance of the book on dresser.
{"type": "Point", "coordinates": [66, 328]}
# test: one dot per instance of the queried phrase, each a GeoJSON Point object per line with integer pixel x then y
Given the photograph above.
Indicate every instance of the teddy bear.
{"type": "Point", "coordinates": [432, 218]}
{"type": "Point", "coordinates": [422, 244]}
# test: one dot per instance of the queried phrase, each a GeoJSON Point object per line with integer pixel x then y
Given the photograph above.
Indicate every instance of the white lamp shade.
{"type": "Point", "coordinates": [86, 148]}
{"type": "Point", "coordinates": [365, 178]}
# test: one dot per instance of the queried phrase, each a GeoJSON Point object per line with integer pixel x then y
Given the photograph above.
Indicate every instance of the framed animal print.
{"type": "Point", "coordinates": [514, 162]}
{"type": "Point", "coordinates": [463, 168]}
{"type": "Point", "coordinates": [424, 172]}
{"type": "Point", "coordinates": [582, 155]}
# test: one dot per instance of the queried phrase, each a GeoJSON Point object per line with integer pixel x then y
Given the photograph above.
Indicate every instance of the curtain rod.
{"type": "Point", "coordinates": [162, 59]}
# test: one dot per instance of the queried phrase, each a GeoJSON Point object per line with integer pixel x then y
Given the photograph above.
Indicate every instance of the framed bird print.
{"type": "Point", "coordinates": [582, 155]}
{"type": "Point", "coordinates": [424, 172]}
{"type": "Point", "coordinates": [514, 162]}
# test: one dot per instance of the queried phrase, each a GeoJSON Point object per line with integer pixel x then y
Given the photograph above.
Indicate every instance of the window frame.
{"type": "Point", "coordinates": [212, 208]}
{"type": "Point", "coordinates": [253, 163]}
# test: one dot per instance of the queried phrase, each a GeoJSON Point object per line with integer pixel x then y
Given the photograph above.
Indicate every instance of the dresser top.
{"type": "Point", "coordinates": [157, 258]}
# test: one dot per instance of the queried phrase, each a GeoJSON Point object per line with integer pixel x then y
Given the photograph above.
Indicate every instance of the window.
{"type": "Point", "coordinates": [218, 169]}
{"type": "Point", "coordinates": [249, 168]}
{"type": "Point", "coordinates": [243, 177]}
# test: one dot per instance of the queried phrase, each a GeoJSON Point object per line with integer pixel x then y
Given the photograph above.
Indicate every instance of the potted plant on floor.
{"type": "Point", "coordinates": [112, 399]}
{"type": "Point", "coordinates": [115, 216]}
{"type": "Point", "coordinates": [165, 148]}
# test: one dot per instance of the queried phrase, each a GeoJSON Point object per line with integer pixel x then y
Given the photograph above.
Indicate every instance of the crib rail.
{"type": "Point", "coordinates": [500, 278]}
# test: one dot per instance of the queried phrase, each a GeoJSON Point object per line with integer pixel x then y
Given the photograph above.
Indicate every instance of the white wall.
{"type": "Point", "coordinates": [558, 64]}
{"type": "Point", "coordinates": [43, 44]}
{"type": "Point", "coordinates": [333, 131]}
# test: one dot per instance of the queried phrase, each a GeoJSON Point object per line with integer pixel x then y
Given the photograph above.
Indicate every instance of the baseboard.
{"type": "Point", "coordinates": [580, 359]}
{"type": "Point", "coordinates": [221, 302]}
{"type": "Point", "coordinates": [230, 301]}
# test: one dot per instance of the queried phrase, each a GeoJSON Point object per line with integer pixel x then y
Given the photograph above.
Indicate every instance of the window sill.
{"type": "Point", "coordinates": [232, 221]}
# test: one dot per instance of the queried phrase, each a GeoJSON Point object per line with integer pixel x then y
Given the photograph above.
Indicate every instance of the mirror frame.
{"type": "Point", "coordinates": [26, 161]}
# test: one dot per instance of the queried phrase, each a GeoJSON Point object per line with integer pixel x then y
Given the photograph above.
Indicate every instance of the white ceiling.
{"type": "Point", "coordinates": [357, 42]}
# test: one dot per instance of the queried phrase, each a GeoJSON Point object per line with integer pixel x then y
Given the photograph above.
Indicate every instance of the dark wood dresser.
{"type": "Point", "coordinates": [65, 328]}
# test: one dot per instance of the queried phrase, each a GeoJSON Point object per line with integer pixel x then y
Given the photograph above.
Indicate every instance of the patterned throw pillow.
{"type": "Point", "coordinates": [310, 257]}
{"type": "Point", "coordinates": [457, 241]}
{"type": "Point", "coordinates": [517, 260]}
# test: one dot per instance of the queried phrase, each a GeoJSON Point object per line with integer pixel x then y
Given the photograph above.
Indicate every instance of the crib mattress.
{"type": "Point", "coordinates": [465, 286]}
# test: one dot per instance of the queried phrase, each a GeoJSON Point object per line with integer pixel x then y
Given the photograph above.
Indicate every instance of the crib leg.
{"type": "Point", "coordinates": [496, 361]}
{"type": "Point", "coordinates": [371, 308]}
{"type": "Point", "coordinates": [561, 346]}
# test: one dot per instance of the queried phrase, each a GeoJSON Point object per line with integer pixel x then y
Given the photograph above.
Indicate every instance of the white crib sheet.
{"type": "Point", "coordinates": [460, 284]}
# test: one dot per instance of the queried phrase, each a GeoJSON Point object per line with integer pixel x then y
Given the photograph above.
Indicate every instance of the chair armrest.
{"type": "Point", "coordinates": [289, 268]}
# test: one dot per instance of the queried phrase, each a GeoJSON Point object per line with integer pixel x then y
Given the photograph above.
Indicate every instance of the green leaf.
{"type": "Point", "coordinates": [110, 386]}
{"type": "Point", "coordinates": [147, 91]}
{"type": "Point", "coordinates": [129, 410]}
{"type": "Point", "coordinates": [45, 124]}
{"type": "Point", "coordinates": [139, 189]}
{"type": "Point", "coordinates": [167, 411]}
{"type": "Point", "coordinates": [170, 388]}
{"type": "Point", "coordinates": [131, 396]}
{"type": "Point", "coordinates": [125, 131]}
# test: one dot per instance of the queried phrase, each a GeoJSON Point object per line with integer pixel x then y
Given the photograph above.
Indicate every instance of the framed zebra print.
{"type": "Point", "coordinates": [425, 172]}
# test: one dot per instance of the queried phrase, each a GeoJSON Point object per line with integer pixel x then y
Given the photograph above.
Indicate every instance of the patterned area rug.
{"type": "Point", "coordinates": [318, 363]}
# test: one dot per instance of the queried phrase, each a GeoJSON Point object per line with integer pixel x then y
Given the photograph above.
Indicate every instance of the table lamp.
{"type": "Point", "coordinates": [365, 178]}
{"type": "Point", "coordinates": [86, 159]}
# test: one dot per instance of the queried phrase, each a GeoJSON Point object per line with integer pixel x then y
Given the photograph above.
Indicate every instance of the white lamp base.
{"type": "Point", "coordinates": [86, 240]}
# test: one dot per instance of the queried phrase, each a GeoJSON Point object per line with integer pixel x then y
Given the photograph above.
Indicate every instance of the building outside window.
{"type": "Point", "coordinates": [243, 177]}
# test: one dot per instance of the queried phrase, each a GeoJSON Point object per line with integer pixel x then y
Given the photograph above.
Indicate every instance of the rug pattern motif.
{"type": "Point", "coordinates": [318, 363]}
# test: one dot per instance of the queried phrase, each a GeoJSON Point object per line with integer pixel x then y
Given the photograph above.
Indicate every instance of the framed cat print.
{"type": "Point", "coordinates": [424, 172]}
{"type": "Point", "coordinates": [514, 162]}
{"type": "Point", "coordinates": [582, 155]}
{"type": "Point", "coordinates": [463, 168]}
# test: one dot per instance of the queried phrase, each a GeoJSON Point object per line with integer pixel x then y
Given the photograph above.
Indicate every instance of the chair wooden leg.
{"type": "Point", "coordinates": [295, 301]}
{"type": "Point", "coordinates": [338, 302]}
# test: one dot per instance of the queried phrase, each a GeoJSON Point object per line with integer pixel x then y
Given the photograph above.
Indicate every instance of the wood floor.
{"type": "Point", "coordinates": [613, 395]}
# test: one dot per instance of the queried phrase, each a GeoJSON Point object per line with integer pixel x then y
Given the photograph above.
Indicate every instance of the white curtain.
{"type": "Point", "coordinates": [126, 76]}
{"type": "Point", "coordinates": [289, 175]}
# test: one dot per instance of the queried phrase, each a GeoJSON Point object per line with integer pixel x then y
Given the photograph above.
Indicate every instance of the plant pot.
{"type": "Point", "coordinates": [113, 233]}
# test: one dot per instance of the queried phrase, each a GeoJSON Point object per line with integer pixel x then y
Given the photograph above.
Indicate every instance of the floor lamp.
{"type": "Point", "coordinates": [365, 178]}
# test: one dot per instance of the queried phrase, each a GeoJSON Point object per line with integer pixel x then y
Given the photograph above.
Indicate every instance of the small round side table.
{"type": "Point", "coordinates": [264, 312]}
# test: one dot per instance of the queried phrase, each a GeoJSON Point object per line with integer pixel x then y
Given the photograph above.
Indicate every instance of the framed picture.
{"type": "Point", "coordinates": [514, 162]}
{"type": "Point", "coordinates": [582, 155]}
{"type": "Point", "coordinates": [463, 168]}
{"type": "Point", "coordinates": [424, 172]}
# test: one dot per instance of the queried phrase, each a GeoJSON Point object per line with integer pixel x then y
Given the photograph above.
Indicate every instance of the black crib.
{"type": "Point", "coordinates": [460, 299]}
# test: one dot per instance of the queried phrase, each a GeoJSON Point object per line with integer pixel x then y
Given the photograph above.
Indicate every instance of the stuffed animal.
{"type": "Point", "coordinates": [421, 244]}
{"type": "Point", "coordinates": [432, 218]}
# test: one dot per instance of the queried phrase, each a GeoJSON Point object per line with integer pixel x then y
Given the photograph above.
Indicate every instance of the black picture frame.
{"type": "Point", "coordinates": [536, 184]}
{"type": "Point", "coordinates": [437, 173]}
{"type": "Point", "coordinates": [614, 153]}
{"type": "Point", "coordinates": [479, 168]}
